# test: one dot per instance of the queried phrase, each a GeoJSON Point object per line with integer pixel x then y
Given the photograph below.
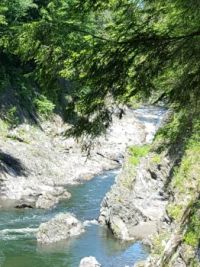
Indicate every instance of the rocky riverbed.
{"type": "Point", "coordinates": [18, 232]}
{"type": "Point", "coordinates": [36, 165]}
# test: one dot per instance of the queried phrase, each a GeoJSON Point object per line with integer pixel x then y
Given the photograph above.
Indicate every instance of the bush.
{"type": "Point", "coordinates": [44, 106]}
{"type": "Point", "coordinates": [11, 117]}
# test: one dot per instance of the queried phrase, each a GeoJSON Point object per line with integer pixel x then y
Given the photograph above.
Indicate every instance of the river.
{"type": "Point", "coordinates": [18, 245]}
{"type": "Point", "coordinates": [19, 248]}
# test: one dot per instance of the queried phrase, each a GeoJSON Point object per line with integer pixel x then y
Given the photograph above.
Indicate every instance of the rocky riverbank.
{"type": "Point", "coordinates": [135, 206]}
{"type": "Point", "coordinates": [37, 164]}
{"type": "Point", "coordinates": [156, 196]}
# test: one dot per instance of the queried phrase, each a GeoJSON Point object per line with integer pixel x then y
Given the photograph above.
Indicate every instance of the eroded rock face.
{"type": "Point", "coordinates": [33, 162]}
{"type": "Point", "coordinates": [62, 227]}
{"type": "Point", "coordinates": [89, 262]}
{"type": "Point", "coordinates": [136, 203]}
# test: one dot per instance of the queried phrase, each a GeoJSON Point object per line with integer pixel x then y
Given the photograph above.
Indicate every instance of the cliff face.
{"type": "Point", "coordinates": [136, 204]}
{"type": "Point", "coordinates": [156, 196]}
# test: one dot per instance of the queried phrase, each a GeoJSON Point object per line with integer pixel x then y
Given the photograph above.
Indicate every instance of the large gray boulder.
{"type": "Point", "coordinates": [62, 227]}
{"type": "Point", "coordinates": [89, 262]}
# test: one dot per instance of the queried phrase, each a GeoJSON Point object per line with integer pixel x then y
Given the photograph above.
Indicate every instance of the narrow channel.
{"type": "Point", "coordinates": [18, 246]}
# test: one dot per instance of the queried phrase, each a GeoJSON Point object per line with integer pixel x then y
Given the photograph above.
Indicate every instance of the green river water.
{"type": "Point", "coordinates": [18, 246]}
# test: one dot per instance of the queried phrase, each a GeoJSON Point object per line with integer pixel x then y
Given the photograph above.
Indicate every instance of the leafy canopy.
{"type": "Point", "coordinates": [108, 50]}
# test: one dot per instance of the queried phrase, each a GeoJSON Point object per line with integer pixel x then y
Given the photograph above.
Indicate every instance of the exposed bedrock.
{"type": "Point", "coordinates": [36, 165]}
{"type": "Point", "coordinates": [135, 205]}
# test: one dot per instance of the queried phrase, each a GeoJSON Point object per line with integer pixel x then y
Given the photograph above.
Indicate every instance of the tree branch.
{"type": "Point", "coordinates": [160, 38]}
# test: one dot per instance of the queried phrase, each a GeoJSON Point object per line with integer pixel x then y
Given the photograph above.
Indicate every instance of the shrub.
{"type": "Point", "coordinates": [44, 106]}
{"type": "Point", "coordinates": [138, 152]}
{"type": "Point", "coordinates": [11, 117]}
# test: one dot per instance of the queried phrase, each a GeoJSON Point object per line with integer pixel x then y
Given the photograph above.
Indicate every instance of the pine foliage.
{"type": "Point", "coordinates": [108, 50]}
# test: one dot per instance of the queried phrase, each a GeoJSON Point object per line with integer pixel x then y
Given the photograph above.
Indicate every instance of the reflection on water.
{"type": "Point", "coordinates": [18, 246]}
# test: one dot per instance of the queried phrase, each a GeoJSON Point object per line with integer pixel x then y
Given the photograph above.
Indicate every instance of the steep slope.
{"type": "Point", "coordinates": [156, 197]}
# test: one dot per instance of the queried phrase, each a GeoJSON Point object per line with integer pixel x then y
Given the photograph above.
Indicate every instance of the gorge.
{"type": "Point", "coordinates": [100, 133]}
{"type": "Point", "coordinates": [19, 227]}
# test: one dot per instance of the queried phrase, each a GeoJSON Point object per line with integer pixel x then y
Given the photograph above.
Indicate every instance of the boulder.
{"type": "Point", "coordinates": [61, 227]}
{"type": "Point", "coordinates": [89, 262]}
{"type": "Point", "coordinates": [49, 200]}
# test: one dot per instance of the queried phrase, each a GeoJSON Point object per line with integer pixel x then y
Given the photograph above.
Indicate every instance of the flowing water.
{"type": "Point", "coordinates": [18, 246]}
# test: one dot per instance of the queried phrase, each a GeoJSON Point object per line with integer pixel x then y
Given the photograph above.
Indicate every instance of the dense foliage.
{"type": "Point", "coordinates": [109, 50]}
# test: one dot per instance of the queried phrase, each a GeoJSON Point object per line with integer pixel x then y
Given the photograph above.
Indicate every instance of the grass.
{"type": "Point", "coordinates": [137, 152]}
{"type": "Point", "coordinates": [175, 211]}
{"type": "Point", "coordinates": [186, 186]}
{"type": "Point", "coordinates": [158, 242]}
{"type": "Point", "coordinates": [135, 155]}
{"type": "Point", "coordinates": [180, 138]}
{"type": "Point", "coordinates": [3, 128]}
{"type": "Point", "coordinates": [192, 236]}
{"type": "Point", "coordinates": [156, 159]}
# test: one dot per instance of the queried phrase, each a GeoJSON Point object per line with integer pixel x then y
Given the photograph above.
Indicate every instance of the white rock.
{"type": "Point", "coordinates": [89, 262]}
{"type": "Point", "coordinates": [62, 227]}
